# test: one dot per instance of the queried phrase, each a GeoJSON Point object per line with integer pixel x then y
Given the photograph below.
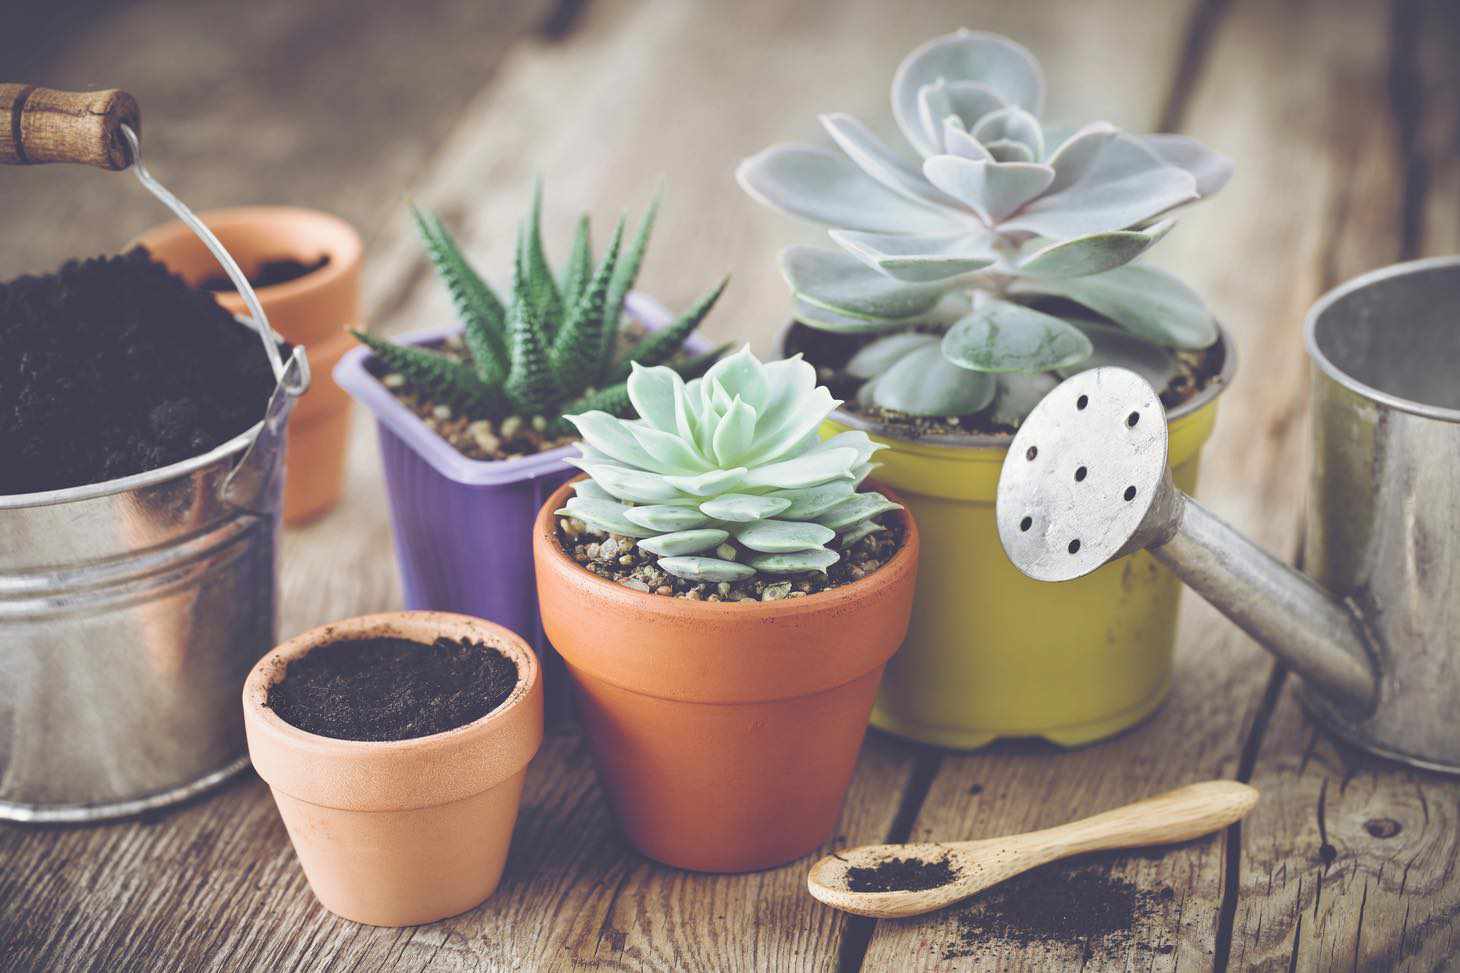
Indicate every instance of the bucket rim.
{"type": "Point", "coordinates": [1191, 406]}
{"type": "Point", "coordinates": [1332, 371]}
{"type": "Point", "coordinates": [147, 478]}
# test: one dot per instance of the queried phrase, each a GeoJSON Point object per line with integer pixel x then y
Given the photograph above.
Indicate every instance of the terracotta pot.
{"type": "Point", "coordinates": [725, 734]}
{"type": "Point", "coordinates": [312, 311]}
{"type": "Point", "coordinates": [407, 831]}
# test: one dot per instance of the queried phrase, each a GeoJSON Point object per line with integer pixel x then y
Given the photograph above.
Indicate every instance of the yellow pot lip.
{"type": "Point", "coordinates": [999, 445]}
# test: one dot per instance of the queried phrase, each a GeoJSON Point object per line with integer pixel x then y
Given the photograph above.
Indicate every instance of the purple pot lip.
{"type": "Point", "coordinates": [352, 376]}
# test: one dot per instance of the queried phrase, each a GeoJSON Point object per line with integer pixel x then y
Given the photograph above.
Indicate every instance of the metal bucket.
{"type": "Point", "coordinates": [132, 610]}
{"type": "Point", "coordinates": [1375, 633]}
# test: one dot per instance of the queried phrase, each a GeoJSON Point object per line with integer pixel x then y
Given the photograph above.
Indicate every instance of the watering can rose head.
{"type": "Point", "coordinates": [724, 476]}
{"type": "Point", "coordinates": [554, 347]}
{"type": "Point", "coordinates": [998, 218]}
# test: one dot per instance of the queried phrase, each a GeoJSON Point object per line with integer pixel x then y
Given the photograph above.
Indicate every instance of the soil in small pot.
{"type": "Point", "coordinates": [392, 688]}
{"type": "Point", "coordinates": [620, 559]}
{"type": "Point", "coordinates": [270, 272]}
{"type": "Point", "coordinates": [830, 353]}
{"type": "Point", "coordinates": [480, 437]}
{"type": "Point", "coordinates": [1082, 905]}
{"type": "Point", "coordinates": [902, 875]}
{"type": "Point", "coordinates": [114, 366]}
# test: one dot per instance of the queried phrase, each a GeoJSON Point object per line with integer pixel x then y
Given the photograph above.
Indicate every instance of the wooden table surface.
{"type": "Point", "coordinates": [1344, 119]}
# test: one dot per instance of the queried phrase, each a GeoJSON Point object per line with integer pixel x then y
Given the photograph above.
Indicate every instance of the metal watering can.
{"type": "Point", "coordinates": [132, 610]}
{"type": "Point", "coordinates": [1375, 632]}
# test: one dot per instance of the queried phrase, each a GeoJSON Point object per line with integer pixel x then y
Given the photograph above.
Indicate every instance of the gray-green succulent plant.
{"type": "Point", "coordinates": [553, 349]}
{"type": "Point", "coordinates": [998, 213]}
{"type": "Point", "coordinates": [725, 476]}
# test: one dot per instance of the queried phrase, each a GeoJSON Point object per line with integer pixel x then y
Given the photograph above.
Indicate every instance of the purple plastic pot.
{"type": "Point", "coordinates": [463, 527]}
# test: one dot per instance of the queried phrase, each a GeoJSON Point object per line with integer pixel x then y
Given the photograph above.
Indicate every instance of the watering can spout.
{"type": "Point", "coordinates": [1086, 481]}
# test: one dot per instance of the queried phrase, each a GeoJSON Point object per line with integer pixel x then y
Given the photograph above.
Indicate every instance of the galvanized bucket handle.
{"type": "Point", "coordinates": [99, 128]}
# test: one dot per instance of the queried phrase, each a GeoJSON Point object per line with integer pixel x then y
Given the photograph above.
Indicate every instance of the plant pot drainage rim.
{"type": "Point", "coordinates": [352, 375]}
{"type": "Point", "coordinates": [845, 417]}
{"type": "Point", "coordinates": [133, 481]}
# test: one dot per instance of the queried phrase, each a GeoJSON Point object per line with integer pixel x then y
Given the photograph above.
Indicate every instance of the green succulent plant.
{"type": "Point", "coordinates": [724, 476]}
{"type": "Point", "coordinates": [552, 348]}
{"type": "Point", "coordinates": [1006, 243]}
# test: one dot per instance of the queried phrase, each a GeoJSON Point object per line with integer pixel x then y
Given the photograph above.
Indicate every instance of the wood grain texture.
{"type": "Point", "coordinates": [41, 125]}
{"type": "Point", "coordinates": [453, 104]}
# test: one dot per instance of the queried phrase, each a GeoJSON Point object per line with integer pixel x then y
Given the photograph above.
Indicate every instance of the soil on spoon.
{"type": "Point", "coordinates": [901, 875]}
{"type": "Point", "coordinates": [113, 366]}
{"type": "Point", "coordinates": [621, 560]}
{"type": "Point", "coordinates": [830, 353]}
{"type": "Point", "coordinates": [392, 688]}
{"type": "Point", "coordinates": [270, 272]}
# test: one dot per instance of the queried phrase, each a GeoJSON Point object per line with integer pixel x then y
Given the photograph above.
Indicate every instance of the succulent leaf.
{"type": "Point", "coordinates": [660, 346]}
{"type": "Point", "coordinates": [992, 189]}
{"type": "Point", "coordinates": [541, 290]}
{"type": "Point", "coordinates": [452, 383]}
{"type": "Point", "coordinates": [918, 259]}
{"type": "Point", "coordinates": [682, 542]}
{"type": "Point", "coordinates": [924, 382]}
{"type": "Point", "coordinates": [530, 385]}
{"type": "Point", "coordinates": [482, 314]}
{"type": "Point", "coordinates": [605, 515]}
{"type": "Point", "coordinates": [1112, 346]}
{"type": "Point", "coordinates": [1093, 254]}
{"type": "Point", "coordinates": [625, 274]}
{"type": "Point", "coordinates": [1005, 337]}
{"type": "Point", "coordinates": [844, 284]}
{"type": "Point", "coordinates": [1148, 302]}
{"type": "Point", "coordinates": [699, 568]}
{"type": "Point", "coordinates": [578, 346]}
{"type": "Point", "coordinates": [729, 462]}
{"type": "Point", "coordinates": [825, 188]}
{"type": "Point", "coordinates": [579, 268]}
{"type": "Point", "coordinates": [964, 56]}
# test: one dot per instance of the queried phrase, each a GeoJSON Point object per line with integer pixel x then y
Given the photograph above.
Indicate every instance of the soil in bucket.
{"type": "Point", "coordinates": [271, 272]}
{"type": "Point", "coordinates": [114, 366]}
{"type": "Point", "coordinates": [389, 688]}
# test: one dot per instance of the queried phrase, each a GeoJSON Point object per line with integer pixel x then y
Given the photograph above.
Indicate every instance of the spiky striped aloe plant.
{"type": "Point", "coordinates": [552, 349]}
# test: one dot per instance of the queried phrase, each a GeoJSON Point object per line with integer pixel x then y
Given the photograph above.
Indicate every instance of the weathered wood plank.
{"type": "Point", "coordinates": [1350, 861]}
{"type": "Point", "coordinates": [1297, 210]}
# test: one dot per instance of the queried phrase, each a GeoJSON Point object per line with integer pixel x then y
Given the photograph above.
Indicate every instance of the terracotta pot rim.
{"type": "Point", "coordinates": [828, 598]}
{"type": "Point", "coordinates": [345, 250]}
{"type": "Point", "coordinates": [404, 624]}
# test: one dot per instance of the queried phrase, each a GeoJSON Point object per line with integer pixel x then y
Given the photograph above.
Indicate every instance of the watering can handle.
{"type": "Point", "coordinates": [40, 125]}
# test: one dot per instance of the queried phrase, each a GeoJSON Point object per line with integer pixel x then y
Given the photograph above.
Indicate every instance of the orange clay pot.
{"type": "Point", "coordinates": [313, 311]}
{"type": "Point", "coordinates": [406, 831]}
{"type": "Point", "coordinates": [725, 734]}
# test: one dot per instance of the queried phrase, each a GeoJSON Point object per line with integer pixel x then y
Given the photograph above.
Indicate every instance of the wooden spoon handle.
{"type": "Point", "coordinates": [1180, 815]}
{"type": "Point", "coordinates": [40, 125]}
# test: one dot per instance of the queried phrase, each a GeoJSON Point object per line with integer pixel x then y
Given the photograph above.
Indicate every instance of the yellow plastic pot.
{"type": "Point", "coordinates": [991, 653]}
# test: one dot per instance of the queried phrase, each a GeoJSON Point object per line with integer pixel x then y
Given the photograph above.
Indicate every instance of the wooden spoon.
{"type": "Point", "coordinates": [1180, 815]}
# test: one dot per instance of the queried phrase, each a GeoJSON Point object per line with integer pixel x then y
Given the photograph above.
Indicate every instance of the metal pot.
{"type": "Point", "coordinates": [1376, 633]}
{"type": "Point", "coordinates": [132, 610]}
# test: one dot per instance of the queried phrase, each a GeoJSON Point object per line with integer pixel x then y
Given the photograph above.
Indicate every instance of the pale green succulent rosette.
{"type": "Point", "coordinates": [725, 476]}
{"type": "Point", "coordinates": [994, 214]}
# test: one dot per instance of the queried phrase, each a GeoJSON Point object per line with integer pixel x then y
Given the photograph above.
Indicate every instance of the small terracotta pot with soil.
{"type": "Point", "coordinates": [724, 733]}
{"type": "Point", "coordinates": [395, 746]}
{"type": "Point", "coordinates": [305, 267]}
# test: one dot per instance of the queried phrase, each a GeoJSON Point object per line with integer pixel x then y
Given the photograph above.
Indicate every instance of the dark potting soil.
{"type": "Point", "coordinates": [392, 688]}
{"type": "Point", "coordinates": [620, 559]}
{"type": "Point", "coordinates": [1064, 905]}
{"type": "Point", "coordinates": [113, 366]}
{"type": "Point", "coordinates": [901, 875]}
{"type": "Point", "coordinates": [830, 352]}
{"type": "Point", "coordinates": [277, 270]}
